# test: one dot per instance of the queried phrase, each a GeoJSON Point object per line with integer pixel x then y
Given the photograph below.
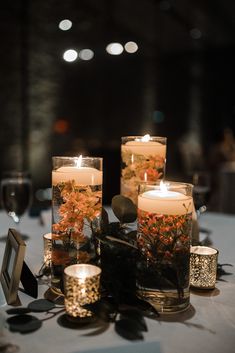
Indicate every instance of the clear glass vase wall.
{"type": "Point", "coordinates": [76, 212]}
{"type": "Point", "coordinates": [143, 160]}
{"type": "Point", "coordinates": [163, 237]}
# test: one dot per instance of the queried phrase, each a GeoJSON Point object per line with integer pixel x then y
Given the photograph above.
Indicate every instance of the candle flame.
{"type": "Point", "coordinates": [146, 138]}
{"type": "Point", "coordinates": [145, 176]}
{"type": "Point", "coordinates": [79, 161]}
{"type": "Point", "coordinates": [163, 186]}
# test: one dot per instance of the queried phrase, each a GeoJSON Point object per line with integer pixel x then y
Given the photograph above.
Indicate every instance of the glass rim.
{"type": "Point", "coordinates": [166, 182]}
{"type": "Point", "coordinates": [76, 157]}
{"type": "Point", "coordinates": [139, 137]}
{"type": "Point", "coordinates": [213, 251]}
{"type": "Point", "coordinates": [15, 174]}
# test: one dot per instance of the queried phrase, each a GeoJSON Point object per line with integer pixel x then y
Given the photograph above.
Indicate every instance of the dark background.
{"type": "Point", "coordinates": [179, 84]}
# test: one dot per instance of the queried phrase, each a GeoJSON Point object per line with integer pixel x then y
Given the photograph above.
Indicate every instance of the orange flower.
{"type": "Point", "coordinates": [60, 257]}
{"type": "Point", "coordinates": [80, 203]}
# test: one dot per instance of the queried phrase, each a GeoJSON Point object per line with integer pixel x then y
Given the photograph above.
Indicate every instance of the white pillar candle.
{"type": "Point", "coordinates": [81, 175]}
{"type": "Point", "coordinates": [165, 202]}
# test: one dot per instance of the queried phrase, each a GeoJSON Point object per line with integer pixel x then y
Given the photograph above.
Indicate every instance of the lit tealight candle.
{"type": "Point", "coordinates": [82, 286]}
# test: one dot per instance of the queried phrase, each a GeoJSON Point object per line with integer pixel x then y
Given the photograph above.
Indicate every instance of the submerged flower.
{"type": "Point", "coordinates": [80, 203]}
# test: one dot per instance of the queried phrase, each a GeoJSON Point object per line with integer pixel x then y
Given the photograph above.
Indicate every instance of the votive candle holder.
{"type": "Point", "coordinates": [203, 267]}
{"type": "Point", "coordinates": [47, 245]}
{"type": "Point", "coordinates": [81, 287]}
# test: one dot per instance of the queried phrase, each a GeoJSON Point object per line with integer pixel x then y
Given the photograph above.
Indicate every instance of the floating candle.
{"type": "Point", "coordinates": [165, 202]}
{"type": "Point", "coordinates": [145, 147]}
{"type": "Point", "coordinates": [81, 175]}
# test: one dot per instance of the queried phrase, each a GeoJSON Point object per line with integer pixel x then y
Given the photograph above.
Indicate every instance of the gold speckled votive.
{"type": "Point", "coordinates": [203, 267]}
{"type": "Point", "coordinates": [81, 286]}
{"type": "Point", "coordinates": [47, 242]}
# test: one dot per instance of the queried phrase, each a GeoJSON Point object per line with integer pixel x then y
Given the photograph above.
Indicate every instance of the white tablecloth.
{"type": "Point", "coordinates": [208, 327]}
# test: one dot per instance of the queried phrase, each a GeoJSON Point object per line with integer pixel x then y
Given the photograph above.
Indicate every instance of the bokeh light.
{"type": "Point", "coordinates": [86, 54]}
{"type": "Point", "coordinates": [70, 55]}
{"type": "Point", "coordinates": [65, 25]}
{"type": "Point", "coordinates": [114, 49]}
{"type": "Point", "coordinates": [131, 47]}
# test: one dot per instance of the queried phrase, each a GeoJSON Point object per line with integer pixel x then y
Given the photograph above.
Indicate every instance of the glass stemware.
{"type": "Point", "coordinates": [16, 194]}
{"type": "Point", "coordinates": [201, 191]}
{"type": "Point", "coordinates": [201, 196]}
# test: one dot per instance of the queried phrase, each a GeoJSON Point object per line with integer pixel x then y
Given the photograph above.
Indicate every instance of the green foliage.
{"type": "Point", "coordinates": [124, 209]}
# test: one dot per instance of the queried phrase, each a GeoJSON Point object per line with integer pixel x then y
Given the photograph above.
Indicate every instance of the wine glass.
{"type": "Point", "coordinates": [16, 194]}
{"type": "Point", "coordinates": [201, 191]}
{"type": "Point", "coordinates": [201, 197]}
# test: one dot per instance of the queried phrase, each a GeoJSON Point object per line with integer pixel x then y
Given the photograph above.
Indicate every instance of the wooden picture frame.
{"type": "Point", "coordinates": [12, 264]}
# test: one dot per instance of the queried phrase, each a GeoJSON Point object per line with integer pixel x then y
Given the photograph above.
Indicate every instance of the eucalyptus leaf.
{"type": "Point", "coordinates": [120, 241]}
{"type": "Point", "coordinates": [124, 209]}
{"type": "Point", "coordinates": [128, 329]}
{"type": "Point", "coordinates": [18, 311]}
{"type": "Point", "coordinates": [114, 228]}
{"type": "Point", "coordinates": [136, 316]}
{"type": "Point", "coordinates": [104, 221]}
{"type": "Point", "coordinates": [24, 323]}
{"type": "Point", "coordinates": [132, 235]}
{"type": "Point", "coordinates": [102, 309]}
{"type": "Point", "coordinates": [146, 307]}
{"type": "Point", "coordinates": [41, 305]}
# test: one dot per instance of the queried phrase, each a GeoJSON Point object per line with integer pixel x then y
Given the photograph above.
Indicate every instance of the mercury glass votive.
{"type": "Point", "coordinates": [143, 159]}
{"type": "Point", "coordinates": [203, 267]}
{"type": "Point", "coordinates": [47, 244]}
{"type": "Point", "coordinates": [81, 286]}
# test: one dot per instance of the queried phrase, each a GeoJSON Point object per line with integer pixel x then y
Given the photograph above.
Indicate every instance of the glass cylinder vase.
{"type": "Point", "coordinates": [143, 159]}
{"type": "Point", "coordinates": [163, 237]}
{"type": "Point", "coordinates": [76, 211]}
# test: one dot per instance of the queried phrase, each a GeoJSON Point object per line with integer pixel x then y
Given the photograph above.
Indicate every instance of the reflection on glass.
{"type": "Point", "coordinates": [10, 263]}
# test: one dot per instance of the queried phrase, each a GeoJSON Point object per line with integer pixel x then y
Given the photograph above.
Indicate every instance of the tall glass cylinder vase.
{"type": "Point", "coordinates": [76, 211]}
{"type": "Point", "coordinates": [143, 160]}
{"type": "Point", "coordinates": [163, 237]}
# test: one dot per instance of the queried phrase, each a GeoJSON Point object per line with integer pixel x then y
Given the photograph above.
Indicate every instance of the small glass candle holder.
{"type": "Point", "coordinates": [143, 160]}
{"type": "Point", "coordinates": [164, 235]}
{"type": "Point", "coordinates": [76, 211]}
{"type": "Point", "coordinates": [82, 286]}
{"type": "Point", "coordinates": [47, 243]}
{"type": "Point", "coordinates": [203, 267]}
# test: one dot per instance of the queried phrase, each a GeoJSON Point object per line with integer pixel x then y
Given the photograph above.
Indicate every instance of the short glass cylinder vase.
{"type": "Point", "coordinates": [143, 159]}
{"type": "Point", "coordinates": [163, 236]}
{"type": "Point", "coordinates": [76, 212]}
